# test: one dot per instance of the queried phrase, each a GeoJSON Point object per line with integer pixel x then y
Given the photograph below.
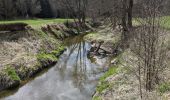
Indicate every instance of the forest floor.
{"type": "Point", "coordinates": [120, 81]}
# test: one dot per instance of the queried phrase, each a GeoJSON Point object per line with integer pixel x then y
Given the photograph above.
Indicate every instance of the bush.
{"type": "Point", "coordinates": [164, 87]}
{"type": "Point", "coordinates": [12, 73]}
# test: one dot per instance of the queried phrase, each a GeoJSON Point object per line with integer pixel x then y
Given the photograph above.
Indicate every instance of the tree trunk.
{"type": "Point", "coordinates": [130, 9]}
{"type": "Point", "coordinates": [124, 20]}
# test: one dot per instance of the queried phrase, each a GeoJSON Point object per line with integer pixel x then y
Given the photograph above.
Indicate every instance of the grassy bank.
{"type": "Point", "coordinates": [120, 82]}
{"type": "Point", "coordinates": [165, 22]}
{"type": "Point", "coordinates": [25, 53]}
{"type": "Point", "coordinates": [37, 23]}
{"type": "Point", "coordinates": [108, 80]}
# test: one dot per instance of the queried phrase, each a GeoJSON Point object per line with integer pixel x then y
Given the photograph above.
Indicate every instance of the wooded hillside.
{"type": "Point", "coordinates": [15, 9]}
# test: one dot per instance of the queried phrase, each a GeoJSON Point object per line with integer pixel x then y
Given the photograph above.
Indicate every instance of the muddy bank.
{"type": "Point", "coordinates": [25, 53]}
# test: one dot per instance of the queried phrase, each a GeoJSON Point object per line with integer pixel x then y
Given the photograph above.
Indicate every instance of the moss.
{"type": "Point", "coordinates": [102, 86]}
{"type": "Point", "coordinates": [111, 71]}
{"type": "Point", "coordinates": [57, 51]}
{"type": "Point", "coordinates": [96, 98]}
{"type": "Point", "coordinates": [46, 57]}
{"type": "Point", "coordinates": [164, 87]}
{"type": "Point", "coordinates": [52, 56]}
{"type": "Point", "coordinates": [12, 73]}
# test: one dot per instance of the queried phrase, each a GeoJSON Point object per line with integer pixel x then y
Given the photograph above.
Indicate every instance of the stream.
{"type": "Point", "coordinates": [74, 77]}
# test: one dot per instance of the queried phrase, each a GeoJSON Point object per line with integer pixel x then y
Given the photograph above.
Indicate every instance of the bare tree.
{"type": "Point", "coordinates": [130, 11]}
{"type": "Point", "coordinates": [21, 7]}
{"type": "Point", "coordinates": [127, 7]}
{"type": "Point", "coordinates": [77, 8]}
{"type": "Point", "coordinates": [33, 7]}
{"type": "Point", "coordinates": [6, 10]}
{"type": "Point", "coordinates": [149, 45]}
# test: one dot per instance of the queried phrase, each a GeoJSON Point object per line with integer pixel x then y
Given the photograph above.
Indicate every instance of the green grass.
{"type": "Point", "coordinates": [36, 23]}
{"type": "Point", "coordinates": [111, 71]}
{"type": "Point", "coordinates": [50, 56]}
{"type": "Point", "coordinates": [164, 87]}
{"type": "Point", "coordinates": [103, 83]}
{"type": "Point", "coordinates": [96, 98]}
{"type": "Point", "coordinates": [55, 52]}
{"type": "Point", "coordinates": [165, 22]}
{"type": "Point", "coordinates": [46, 57]}
{"type": "Point", "coordinates": [102, 86]}
{"type": "Point", "coordinates": [12, 73]}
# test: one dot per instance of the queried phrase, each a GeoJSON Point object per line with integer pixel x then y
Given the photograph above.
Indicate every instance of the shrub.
{"type": "Point", "coordinates": [164, 87]}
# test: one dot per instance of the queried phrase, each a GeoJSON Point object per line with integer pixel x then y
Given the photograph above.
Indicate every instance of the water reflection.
{"type": "Point", "coordinates": [73, 78]}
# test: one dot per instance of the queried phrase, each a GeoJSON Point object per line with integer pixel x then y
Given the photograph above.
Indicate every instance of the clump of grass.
{"type": "Point", "coordinates": [111, 71]}
{"type": "Point", "coordinates": [46, 57]}
{"type": "Point", "coordinates": [96, 98]}
{"type": "Point", "coordinates": [165, 22]}
{"type": "Point", "coordinates": [52, 56]}
{"type": "Point", "coordinates": [56, 52]}
{"type": "Point", "coordinates": [103, 83]}
{"type": "Point", "coordinates": [12, 73]}
{"type": "Point", "coordinates": [102, 86]}
{"type": "Point", "coordinates": [164, 87]}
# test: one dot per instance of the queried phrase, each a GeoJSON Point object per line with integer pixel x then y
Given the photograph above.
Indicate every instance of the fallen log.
{"type": "Point", "coordinates": [13, 27]}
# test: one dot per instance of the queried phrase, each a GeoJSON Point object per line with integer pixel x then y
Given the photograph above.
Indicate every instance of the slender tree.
{"type": "Point", "coordinates": [130, 10]}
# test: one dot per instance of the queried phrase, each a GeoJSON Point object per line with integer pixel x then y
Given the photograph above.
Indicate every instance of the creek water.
{"type": "Point", "coordinates": [74, 77]}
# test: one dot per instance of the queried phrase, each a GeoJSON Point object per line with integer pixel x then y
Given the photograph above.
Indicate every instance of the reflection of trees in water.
{"type": "Point", "coordinates": [62, 66]}
{"type": "Point", "coordinates": [77, 53]}
{"type": "Point", "coordinates": [80, 68]}
{"type": "Point", "coordinates": [76, 57]}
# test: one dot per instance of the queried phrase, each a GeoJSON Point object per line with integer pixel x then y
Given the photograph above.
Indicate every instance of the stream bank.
{"type": "Point", "coordinates": [121, 82]}
{"type": "Point", "coordinates": [26, 53]}
{"type": "Point", "coordinates": [73, 77]}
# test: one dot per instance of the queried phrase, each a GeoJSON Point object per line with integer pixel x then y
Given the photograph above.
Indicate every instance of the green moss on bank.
{"type": "Point", "coordinates": [111, 71]}
{"type": "Point", "coordinates": [164, 87]}
{"type": "Point", "coordinates": [97, 98]}
{"type": "Point", "coordinates": [40, 50]}
{"type": "Point", "coordinates": [11, 72]}
{"type": "Point", "coordinates": [52, 56]}
{"type": "Point", "coordinates": [46, 57]}
{"type": "Point", "coordinates": [103, 84]}
{"type": "Point", "coordinates": [60, 48]}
